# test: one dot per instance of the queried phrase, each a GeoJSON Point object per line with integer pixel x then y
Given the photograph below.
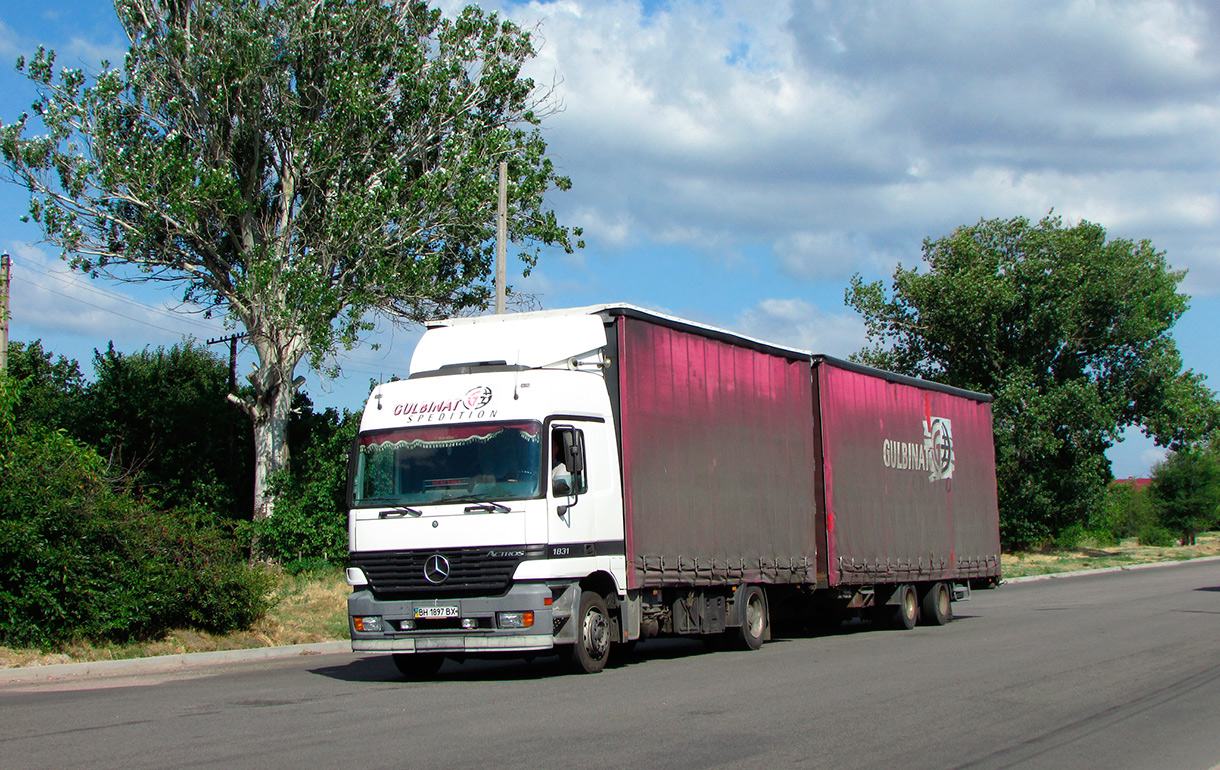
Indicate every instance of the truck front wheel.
{"type": "Point", "coordinates": [592, 647]}
{"type": "Point", "coordinates": [419, 665]}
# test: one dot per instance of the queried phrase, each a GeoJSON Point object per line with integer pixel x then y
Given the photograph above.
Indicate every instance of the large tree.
{"type": "Point", "coordinates": [1185, 492]}
{"type": "Point", "coordinates": [1071, 334]}
{"type": "Point", "coordinates": [297, 165]}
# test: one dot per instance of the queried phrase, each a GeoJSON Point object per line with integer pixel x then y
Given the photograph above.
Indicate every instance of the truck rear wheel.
{"type": "Point", "coordinates": [755, 619]}
{"type": "Point", "coordinates": [419, 665]}
{"type": "Point", "coordinates": [592, 648]}
{"type": "Point", "coordinates": [902, 612]}
{"type": "Point", "coordinates": [937, 605]}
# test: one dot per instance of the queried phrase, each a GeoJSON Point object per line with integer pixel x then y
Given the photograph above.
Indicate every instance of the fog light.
{"type": "Point", "coordinates": [469, 624]}
{"type": "Point", "coordinates": [406, 625]}
{"type": "Point", "coordinates": [515, 619]}
{"type": "Point", "coordinates": [368, 623]}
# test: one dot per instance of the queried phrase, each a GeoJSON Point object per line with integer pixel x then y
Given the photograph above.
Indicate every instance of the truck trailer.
{"type": "Point", "coordinates": [573, 480]}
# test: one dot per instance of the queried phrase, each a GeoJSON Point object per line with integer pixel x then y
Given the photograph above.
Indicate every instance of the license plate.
{"type": "Point", "coordinates": [436, 612]}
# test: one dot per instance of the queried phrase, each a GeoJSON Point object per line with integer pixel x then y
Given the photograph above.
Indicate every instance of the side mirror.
{"type": "Point", "coordinates": [573, 452]}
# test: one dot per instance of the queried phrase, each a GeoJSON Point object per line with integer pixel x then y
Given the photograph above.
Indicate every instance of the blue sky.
{"type": "Point", "coordinates": [736, 162]}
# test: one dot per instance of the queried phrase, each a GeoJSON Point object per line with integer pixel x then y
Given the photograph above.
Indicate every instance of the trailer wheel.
{"type": "Point", "coordinates": [592, 648]}
{"type": "Point", "coordinates": [755, 620]}
{"type": "Point", "coordinates": [937, 607]}
{"type": "Point", "coordinates": [419, 665]}
{"type": "Point", "coordinates": [903, 613]}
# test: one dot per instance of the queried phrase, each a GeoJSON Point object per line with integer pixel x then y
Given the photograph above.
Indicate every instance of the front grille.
{"type": "Point", "coordinates": [472, 571]}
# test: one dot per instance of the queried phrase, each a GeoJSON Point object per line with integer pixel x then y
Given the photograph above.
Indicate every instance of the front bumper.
{"type": "Point", "coordinates": [487, 637]}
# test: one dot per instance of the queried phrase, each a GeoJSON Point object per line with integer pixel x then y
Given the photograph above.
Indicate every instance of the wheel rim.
{"type": "Point", "coordinates": [908, 604]}
{"type": "Point", "coordinates": [942, 601]}
{"type": "Point", "coordinates": [597, 634]}
{"type": "Point", "coordinates": [754, 616]}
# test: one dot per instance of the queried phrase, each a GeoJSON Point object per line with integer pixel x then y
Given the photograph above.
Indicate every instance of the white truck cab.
{"type": "Point", "coordinates": [484, 492]}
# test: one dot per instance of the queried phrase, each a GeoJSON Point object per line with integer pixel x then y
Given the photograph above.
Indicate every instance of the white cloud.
{"type": "Point", "coordinates": [49, 299]}
{"type": "Point", "coordinates": [9, 48]}
{"type": "Point", "coordinates": [789, 125]}
{"type": "Point", "coordinates": [798, 324]}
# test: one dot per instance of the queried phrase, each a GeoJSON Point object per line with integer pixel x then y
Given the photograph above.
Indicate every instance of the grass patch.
{"type": "Point", "coordinates": [1126, 553]}
{"type": "Point", "coordinates": [307, 607]}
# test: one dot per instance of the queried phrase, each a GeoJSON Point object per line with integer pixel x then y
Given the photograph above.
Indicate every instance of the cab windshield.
{"type": "Point", "coordinates": [435, 464]}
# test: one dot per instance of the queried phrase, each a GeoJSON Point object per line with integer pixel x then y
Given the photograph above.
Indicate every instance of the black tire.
{"type": "Point", "coordinates": [592, 648]}
{"type": "Point", "coordinates": [755, 620]}
{"type": "Point", "coordinates": [937, 605]}
{"type": "Point", "coordinates": [905, 613]}
{"type": "Point", "coordinates": [902, 612]}
{"type": "Point", "coordinates": [418, 665]}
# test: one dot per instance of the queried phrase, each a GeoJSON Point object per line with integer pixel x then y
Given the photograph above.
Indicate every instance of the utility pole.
{"type": "Point", "coordinates": [501, 238]}
{"type": "Point", "coordinates": [232, 340]}
{"type": "Point", "coordinates": [5, 280]}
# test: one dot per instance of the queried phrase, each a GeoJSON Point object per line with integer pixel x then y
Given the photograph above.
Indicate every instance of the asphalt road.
{"type": "Point", "coordinates": [1111, 671]}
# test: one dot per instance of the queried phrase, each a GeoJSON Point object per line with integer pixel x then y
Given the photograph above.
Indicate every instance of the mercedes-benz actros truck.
{"type": "Point", "coordinates": [574, 480]}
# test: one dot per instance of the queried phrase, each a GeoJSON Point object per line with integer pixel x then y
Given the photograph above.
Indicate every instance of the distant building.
{"type": "Point", "coordinates": [1133, 482]}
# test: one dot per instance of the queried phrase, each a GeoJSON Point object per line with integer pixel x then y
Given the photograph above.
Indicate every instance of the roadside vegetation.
{"type": "Point", "coordinates": [304, 607]}
{"type": "Point", "coordinates": [125, 516]}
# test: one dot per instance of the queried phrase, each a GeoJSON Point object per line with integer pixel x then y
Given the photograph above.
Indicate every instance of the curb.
{"type": "Point", "coordinates": [1108, 570]}
{"type": "Point", "coordinates": [178, 662]}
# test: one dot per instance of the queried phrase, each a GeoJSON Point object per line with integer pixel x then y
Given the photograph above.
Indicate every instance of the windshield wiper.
{"type": "Point", "coordinates": [489, 507]}
{"type": "Point", "coordinates": [399, 510]}
{"type": "Point", "coordinates": [482, 505]}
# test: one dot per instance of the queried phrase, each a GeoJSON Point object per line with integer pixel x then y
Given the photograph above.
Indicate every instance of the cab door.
{"type": "Point", "coordinates": [571, 507]}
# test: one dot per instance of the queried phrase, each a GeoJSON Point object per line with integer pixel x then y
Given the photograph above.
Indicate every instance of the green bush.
{"type": "Point", "coordinates": [1125, 510]}
{"type": "Point", "coordinates": [1156, 536]}
{"type": "Point", "coordinates": [1069, 538]}
{"type": "Point", "coordinates": [306, 524]}
{"type": "Point", "coordinates": [80, 559]}
{"type": "Point", "coordinates": [1098, 538]}
{"type": "Point", "coordinates": [310, 517]}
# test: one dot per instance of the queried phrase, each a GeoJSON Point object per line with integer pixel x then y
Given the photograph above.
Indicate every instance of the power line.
{"type": "Point", "coordinates": [109, 310]}
{"type": "Point", "coordinates": [350, 363]}
{"type": "Point", "coordinates": [59, 277]}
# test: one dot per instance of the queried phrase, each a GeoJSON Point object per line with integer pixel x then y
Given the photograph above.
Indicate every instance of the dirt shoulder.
{"type": "Point", "coordinates": [1125, 554]}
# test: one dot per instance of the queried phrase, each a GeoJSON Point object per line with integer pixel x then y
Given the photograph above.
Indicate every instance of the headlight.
{"type": "Point", "coordinates": [367, 623]}
{"type": "Point", "coordinates": [515, 619]}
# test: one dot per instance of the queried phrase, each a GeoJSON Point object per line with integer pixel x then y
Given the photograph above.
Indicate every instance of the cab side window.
{"type": "Point", "coordinates": [568, 471]}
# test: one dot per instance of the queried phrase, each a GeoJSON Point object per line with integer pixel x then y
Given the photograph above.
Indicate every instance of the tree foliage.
{"type": "Point", "coordinates": [310, 522]}
{"type": "Point", "coordinates": [1185, 492]}
{"type": "Point", "coordinates": [161, 415]}
{"type": "Point", "coordinates": [294, 164]}
{"type": "Point", "coordinates": [1071, 334]}
{"type": "Point", "coordinates": [52, 389]}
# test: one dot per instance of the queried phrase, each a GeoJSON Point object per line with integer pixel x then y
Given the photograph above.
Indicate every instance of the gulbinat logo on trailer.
{"type": "Point", "coordinates": [934, 455]}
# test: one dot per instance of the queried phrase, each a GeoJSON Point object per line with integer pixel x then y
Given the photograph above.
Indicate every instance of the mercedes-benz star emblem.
{"type": "Point", "coordinates": [436, 569]}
